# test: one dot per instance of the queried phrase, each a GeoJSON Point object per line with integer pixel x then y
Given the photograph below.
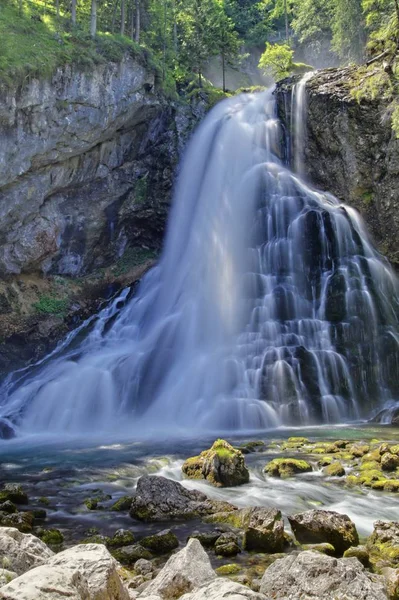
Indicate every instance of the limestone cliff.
{"type": "Point", "coordinates": [86, 172]}
{"type": "Point", "coordinates": [351, 151]}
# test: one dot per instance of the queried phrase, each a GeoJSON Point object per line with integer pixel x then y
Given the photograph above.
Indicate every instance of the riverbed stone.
{"type": "Point", "coordinates": [206, 538]}
{"type": "Point", "coordinates": [122, 504]}
{"type": "Point", "coordinates": [121, 537]}
{"type": "Point", "coordinates": [143, 567]}
{"type": "Point", "coordinates": [188, 569]}
{"type": "Point", "coordinates": [287, 467]}
{"type": "Point", "coordinates": [161, 499]}
{"type": "Point", "coordinates": [49, 583]}
{"type": "Point", "coordinates": [14, 493]}
{"type": "Point", "coordinates": [309, 575]}
{"type": "Point", "coordinates": [389, 462]}
{"type": "Point", "coordinates": [318, 526]}
{"type": "Point", "coordinates": [160, 543]}
{"type": "Point", "coordinates": [263, 530]}
{"type": "Point", "coordinates": [221, 465]}
{"type": "Point", "coordinates": [383, 545]}
{"type": "Point", "coordinates": [391, 577]}
{"type": "Point", "coordinates": [323, 548]}
{"type": "Point", "coordinates": [129, 555]}
{"type": "Point", "coordinates": [22, 551]}
{"type": "Point", "coordinates": [335, 469]}
{"type": "Point", "coordinates": [359, 552]}
{"type": "Point", "coordinates": [227, 544]}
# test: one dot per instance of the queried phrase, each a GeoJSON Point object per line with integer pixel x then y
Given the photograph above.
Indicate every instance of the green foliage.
{"type": "Point", "coordinates": [49, 305]}
{"type": "Point", "coordinates": [277, 60]}
{"type": "Point", "coordinates": [35, 43]}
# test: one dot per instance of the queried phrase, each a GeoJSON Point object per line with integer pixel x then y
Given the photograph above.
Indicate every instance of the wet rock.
{"type": "Point", "coordinates": [389, 462]}
{"type": "Point", "coordinates": [14, 493]}
{"type": "Point", "coordinates": [287, 467]}
{"type": "Point", "coordinates": [314, 575]}
{"type": "Point", "coordinates": [23, 521]}
{"type": "Point", "coordinates": [188, 569]}
{"type": "Point", "coordinates": [8, 507]}
{"type": "Point", "coordinates": [359, 552]}
{"type": "Point", "coordinates": [39, 514]}
{"type": "Point", "coordinates": [122, 504]}
{"type": "Point", "coordinates": [161, 543]}
{"type": "Point", "coordinates": [227, 545]}
{"type": "Point", "coordinates": [263, 530]}
{"type": "Point", "coordinates": [231, 569]}
{"type": "Point", "coordinates": [334, 470]}
{"type": "Point", "coordinates": [250, 447]}
{"type": "Point", "coordinates": [323, 548]}
{"type": "Point", "coordinates": [223, 588]}
{"type": "Point", "coordinates": [318, 526]}
{"type": "Point", "coordinates": [143, 567]}
{"type": "Point", "coordinates": [161, 499]}
{"type": "Point", "coordinates": [129, 555]}
{"type": "Point", "coordinates": [22, 551]}
{"type": "Point", "coordinates": [207, 538]}
{"type": "Point", "coordinates": [222, 465]}
{"type": "Point", "coordinates": [6, 430]}
{"type": "Point", "coordinates": [359, 450]}
{"type": "Point", "coordinates": [383, 544]}
{"type": "Point", "coordinates": [121, 537]}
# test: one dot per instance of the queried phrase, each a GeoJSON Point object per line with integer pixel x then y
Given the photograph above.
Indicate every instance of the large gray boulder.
{"type": "Point", "coordinates": [22, 551]}
{"type": "Point", "coordinates": [264, 530]}
{"type": "Point", "coordinates": [185, 571]}
{"type": "Point", "coordinates": [319, 526]}
{"type": "Point", "coordinates": [315, 576]}
{"type": "Point", "coordinates": [161, 499]}
{"type": "Point", "coordinates": [47, 583]}
{"type": "Point", "coordinates": [86, 572]}
{"type": "Point", "coordinates": [223, 589]}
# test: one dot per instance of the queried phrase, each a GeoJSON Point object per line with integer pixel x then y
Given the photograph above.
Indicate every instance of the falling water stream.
{"type": "Point", "coordinates": [269, 306]}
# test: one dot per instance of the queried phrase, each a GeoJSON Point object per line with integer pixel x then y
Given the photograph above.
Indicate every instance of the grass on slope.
{"type": "Point", "coordinates": [36, 42]}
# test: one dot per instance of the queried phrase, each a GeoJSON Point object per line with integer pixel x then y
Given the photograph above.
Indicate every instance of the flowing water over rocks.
{"type": "Point", "coordinates": [269, 307]}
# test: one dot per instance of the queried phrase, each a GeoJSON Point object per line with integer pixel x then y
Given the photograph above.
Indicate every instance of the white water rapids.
{"type": "Point", "coordinates": [268, 307]}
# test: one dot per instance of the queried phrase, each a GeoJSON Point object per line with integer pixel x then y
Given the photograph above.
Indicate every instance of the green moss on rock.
{"type": "Point", "coordinates": [52, 537]}
{"type": "Point", "coordinates": [287, 467]}
{"type": "Point", "coordinates": [231, 569]}
{"type": "Point", "coordinates": [221, 465]}
{"type": "Point", "coordinates": [334, 470]}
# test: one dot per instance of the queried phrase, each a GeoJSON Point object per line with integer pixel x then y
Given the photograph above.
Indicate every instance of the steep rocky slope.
{"type": "Point", "coordinates": [351, 150]}
{"type": "Point", "coordinates": [86, 172]}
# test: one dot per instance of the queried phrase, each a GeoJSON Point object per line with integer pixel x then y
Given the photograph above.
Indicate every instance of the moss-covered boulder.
{"type": "Point", "coordinates": [160, 543]}
{"type": "Point", "coordinates": [359, 450]}
{"type": "Point", "coordinates": [320, 526]}
{"type": "Point", "coordinates": [227, 545]}
{"type": "Point", "coordinates": [359, 552]}
{"type": "Point", "coordinates": [383, 545]}
{"type": "Point", "coordinates": [122, 504]}
{"type": "Point", "coordinates": [14, 493]}
{"type": "Point", "coordinates": [294, 443]}
{"type": "Point", "coordinates": [8, 507]}
{"type": "Point", "coordinates": [221, 465]}
{"type": "Point", "coordinates": [287, 467]}
{"type": "Point", "coordinates": [23, 521]}
{"type": "Point", "coordinates": [121, 537]}
{"type": "Point", "coordinates": [324, 461]}
{"type": "Point", "coordinates": [334, 470]}
{"type": "Point", "coordinates": [389, 462]}
{"type": "Point", "coordinates": [128, 555]}
{"type": "Point", "coordinates": [249, 447]}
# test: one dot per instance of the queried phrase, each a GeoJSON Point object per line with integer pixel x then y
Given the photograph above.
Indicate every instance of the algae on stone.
{"type": "Point", "coordinates": [221, 465]}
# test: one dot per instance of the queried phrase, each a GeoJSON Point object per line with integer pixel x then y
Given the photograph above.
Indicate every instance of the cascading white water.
{"type": "Point", "coordinates": [269, 306]}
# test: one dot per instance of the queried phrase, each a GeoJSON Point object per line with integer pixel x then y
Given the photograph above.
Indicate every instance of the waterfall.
{"type": "Point", "coordinates": [268, 307]}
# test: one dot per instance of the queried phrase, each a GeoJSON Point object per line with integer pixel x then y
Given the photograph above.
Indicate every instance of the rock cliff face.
{"type": "Point", "coordinates": [86, 172]}
{"type": "Point", "coordinates": [351, 151]}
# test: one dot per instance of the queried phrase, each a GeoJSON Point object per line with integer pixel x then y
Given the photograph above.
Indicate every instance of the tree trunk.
{"type": "Point", "coordinates": [123, 17]}
{"type": "Point", "coordinates": [164, 41]}
{"type": "Point", "coordinates": [93, 18]}
{"type": "Point", "coordinates": [20, 7]}
{"type": "Point", "coordinates": [73, 12]}
{"type": "Point", "coordinates": [114, 16]}
{"type": "Point", "coordinates": [224, 71]}
{"type": "Point", "coordinates": [138, 23]}
{"type": "Point", "coordinates": [287, 31]}
{"type": "Point", "coordinates": [57, 8]}
{"type": "Point", "coordinates": [175, 47]}
{"type": "Point", "coordinates": [132, 20]}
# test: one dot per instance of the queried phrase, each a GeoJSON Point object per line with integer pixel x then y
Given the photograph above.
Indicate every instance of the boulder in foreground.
{"type": "Point", "coordinates": [22, 551]}
{"type": "Point", "coordinates": [311, 575]}
{"type": "Point", "coordinates": [319, 526]}
{"type": "Point", "coordinates": [221, 465]}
